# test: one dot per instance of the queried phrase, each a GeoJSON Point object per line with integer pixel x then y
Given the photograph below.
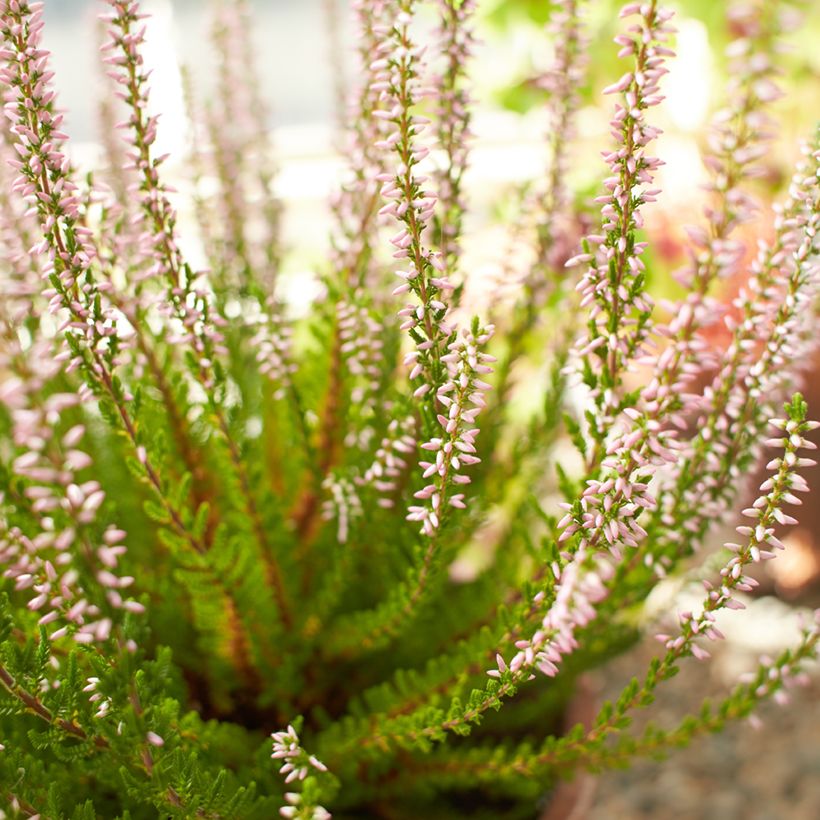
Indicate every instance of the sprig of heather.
{"type": "Point", "coordinates": [186, 302]}
{"type": "Point", "coordinates": [390, 461]}
{"type": "Point", "coordinates": [737, 141]}
{"type": "Point", "coordinates": [223, 120]}
{"type": "Point", "coordinates": [264, 166]}
{"type": "Point", "coordinates": [398, 85]}
{"type": "Point", "coordinates": [119, 264]}
{"type": "Point", "coordinates": [613, 285]}
{"type": "Point", "coordinates": [120, 223]}
{"type": "Point", "coordinates": [362, 348]}
{"type": "Point", "coordinates": [357, 205]}
{"type": "Point", "coordinates": [777, 299]}
{"type": "Point", "coordinates": [461, 396]}
{"type": "Point", "coordinates": [563, 81]}
{"type": "Point", "coordinates": [771, 680]}
{"type": "Point", "coordinates": [356, 276]}
{"type": "Point", "coordinates": [452, 125]}
{"type": "Point", "coordinates": [43, 182]}
{"type": "Point", "coordinates": [123, 257]}
{"type": "Point", "coordinates": [767, 512]}
{"type": "Point", "coordinates": [609, 506]}
{"type": "Point", "coordinates": [297, 764]}
{"type": "Point", "coordinates": [189, 305]}
{"type": "Point", "coordinates": [454, 446]}
{"type": "Point", "coordinates": [555, 228]}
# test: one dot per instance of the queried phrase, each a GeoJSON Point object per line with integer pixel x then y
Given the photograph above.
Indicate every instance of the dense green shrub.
{"type": "Point", "coordinates": [300, 496]}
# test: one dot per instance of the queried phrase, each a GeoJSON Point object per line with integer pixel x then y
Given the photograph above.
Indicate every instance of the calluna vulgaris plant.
{"type": "Point", "coordinates": [222, 523]}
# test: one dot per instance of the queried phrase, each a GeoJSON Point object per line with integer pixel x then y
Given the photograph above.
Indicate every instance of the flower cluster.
{"type": "Point", "coordinates": [342, 505]}
{"type": "Point", "coordinates": [399, 87]}
{"type": "Point", "coordinates": [562, 81]}
{"type": "Point", "coordinates": [462, 398]}
{"type": "Point", "coordinates": [767, 512]}
{"type": "Point", "coordinates": [578, 590]}
{"type": "Point", "coordinates": [272, 342]}
{"type": "Point", "coordinates": [456, 40]}
{"type": "Point", "coordinates": [297, 763]}
{"type": "Point", "coordinates": [360, 334]}
{"type": "Point", "coordinates": [389, 461]}
{"type": "Point", "coordinates": [43, 181]}
{"type": "Point", "coordinates": [613, 286]}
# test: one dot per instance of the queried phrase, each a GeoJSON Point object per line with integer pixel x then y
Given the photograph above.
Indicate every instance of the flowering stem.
{"type": "Point", "coordinates": [563, 82]}
{"type": "Point", "coordinates": [190, 307]}
{"type": "Point", "coordinates": [614, 283]}
{"type": "Point", "coordinates": [453, 121]}
{"type": "Point", "coordinates": [412, 207]}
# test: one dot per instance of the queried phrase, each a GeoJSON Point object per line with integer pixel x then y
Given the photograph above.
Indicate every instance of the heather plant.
{"type": "Point", "coordinates": [234, 538]}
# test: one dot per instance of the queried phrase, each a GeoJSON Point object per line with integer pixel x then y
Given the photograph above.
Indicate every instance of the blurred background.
{"type": "Point", "coordinates": [304, 53]}
{"type": "Point", "coordinates": [305, 59]}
